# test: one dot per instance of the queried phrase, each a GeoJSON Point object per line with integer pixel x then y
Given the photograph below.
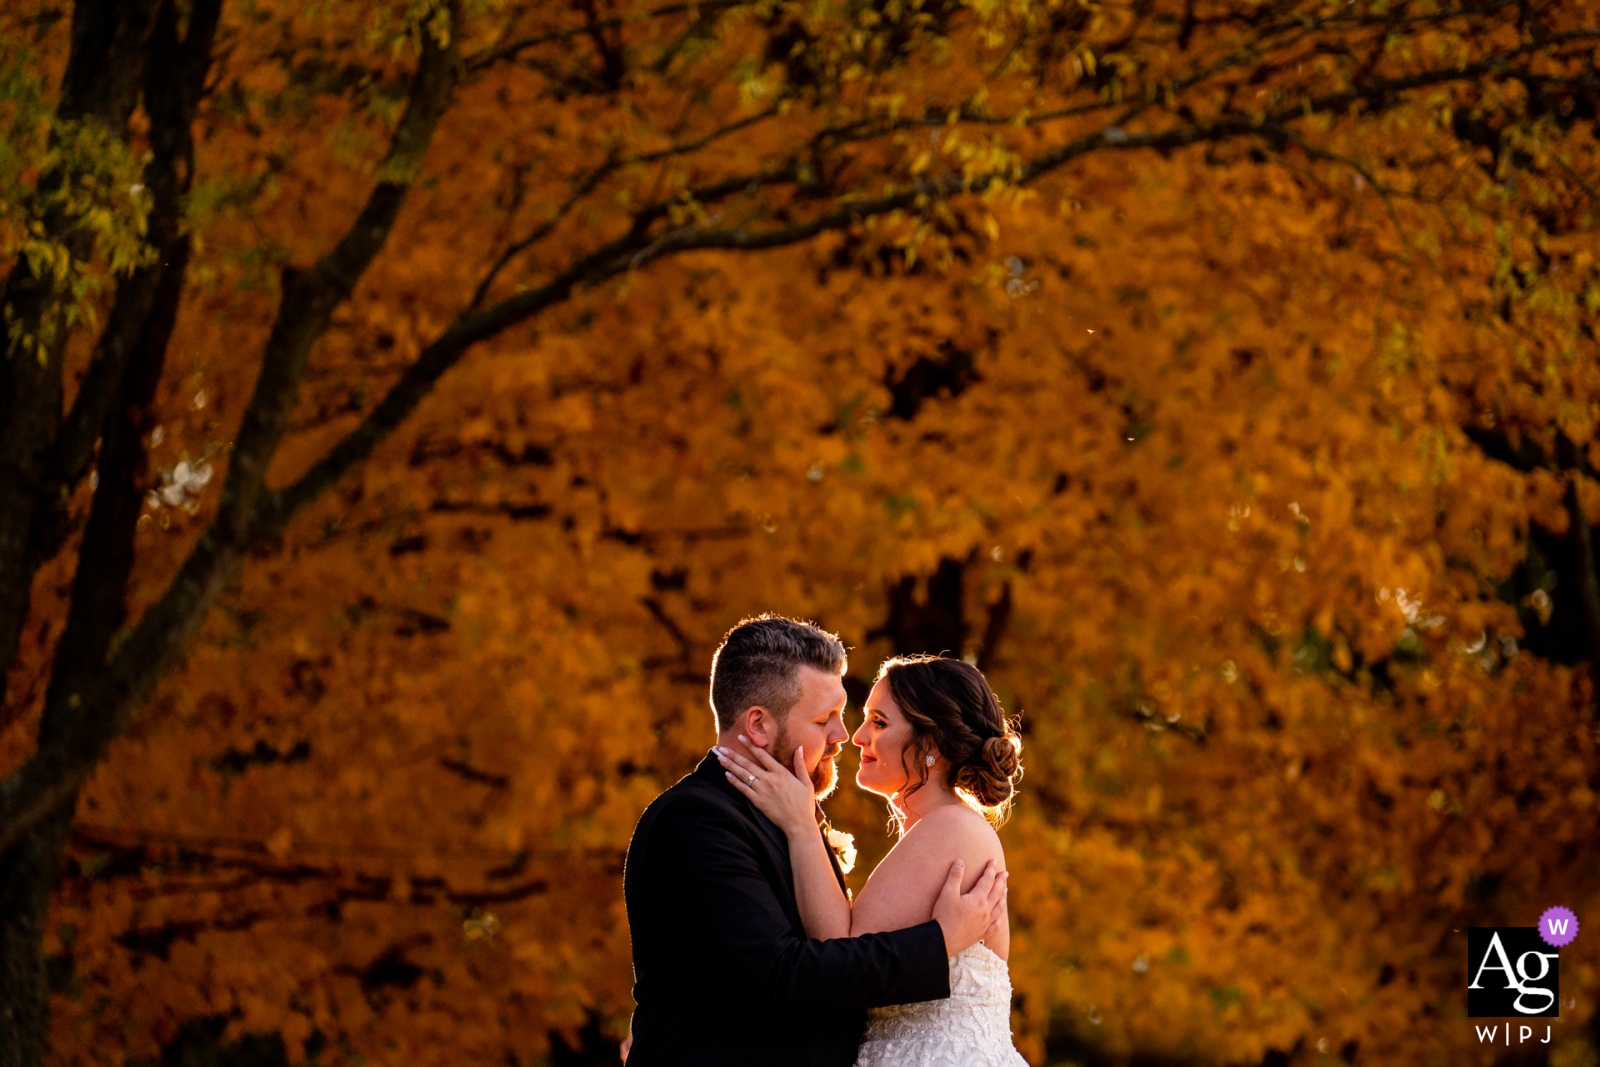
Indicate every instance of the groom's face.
{"type": "Point", "coordinates": [815, 722]}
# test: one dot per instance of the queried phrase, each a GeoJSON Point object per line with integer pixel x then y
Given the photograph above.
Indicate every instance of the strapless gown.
{"type": "Point", "coordinates": [970, 1029]}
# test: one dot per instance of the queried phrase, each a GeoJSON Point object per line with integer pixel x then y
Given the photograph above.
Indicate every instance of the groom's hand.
{"type": "Point", "coordinates": [966, 917]}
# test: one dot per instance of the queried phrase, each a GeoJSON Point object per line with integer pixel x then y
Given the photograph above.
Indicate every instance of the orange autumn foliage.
{"type": "Point", "coordinates": [1216, 458]}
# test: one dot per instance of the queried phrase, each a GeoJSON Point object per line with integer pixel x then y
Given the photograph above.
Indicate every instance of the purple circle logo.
{"type": "Point", "coordinates": [1558, 926]}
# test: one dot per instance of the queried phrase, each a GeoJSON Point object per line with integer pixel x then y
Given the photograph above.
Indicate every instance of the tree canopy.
{"type": "Point", "coordinates": [400, 400]}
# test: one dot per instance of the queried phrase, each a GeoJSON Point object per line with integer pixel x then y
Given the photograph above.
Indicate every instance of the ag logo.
{"type": "Point", "coordinates": [1511, 971]}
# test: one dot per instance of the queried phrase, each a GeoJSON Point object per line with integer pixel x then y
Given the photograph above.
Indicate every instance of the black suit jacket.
{"type": "Point", "coordinates": [724, 975]}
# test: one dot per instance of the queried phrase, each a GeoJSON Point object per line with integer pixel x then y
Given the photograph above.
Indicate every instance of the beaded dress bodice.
{"type": "Point", "coordinates": [970, 1029]}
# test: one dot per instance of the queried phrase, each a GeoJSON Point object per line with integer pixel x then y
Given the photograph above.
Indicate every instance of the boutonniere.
{"type": "Point", "coordinates": [844, 846]}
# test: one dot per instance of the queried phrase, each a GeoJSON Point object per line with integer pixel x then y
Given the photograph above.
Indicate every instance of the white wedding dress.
{"type": "Point", "coordinates": [971, 1029]}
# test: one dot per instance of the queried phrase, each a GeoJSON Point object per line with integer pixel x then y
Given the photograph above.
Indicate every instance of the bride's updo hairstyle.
{"type": "Point", "coordinates": [953, 711]}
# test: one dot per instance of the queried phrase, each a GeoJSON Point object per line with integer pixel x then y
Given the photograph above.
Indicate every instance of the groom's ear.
{"type": "Point", "coordinates": [760, 726]}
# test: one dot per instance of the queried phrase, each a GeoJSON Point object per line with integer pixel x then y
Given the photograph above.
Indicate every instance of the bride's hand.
{"type": "Point", "coordinates": [785, 796]}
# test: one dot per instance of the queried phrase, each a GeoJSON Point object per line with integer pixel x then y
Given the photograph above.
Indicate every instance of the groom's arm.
{"type": "Point", "coordinates": [733, 912]}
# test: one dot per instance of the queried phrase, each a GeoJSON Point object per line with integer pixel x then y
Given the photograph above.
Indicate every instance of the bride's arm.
{"type": "Point", "coordinates": [823, 906]}
{"type": "Point", "coordinates": [789, 801]}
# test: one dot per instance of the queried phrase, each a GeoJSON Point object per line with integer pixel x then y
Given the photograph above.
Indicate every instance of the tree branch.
{"type": "Point", "coordinates": [633, 252]}
{"type": "Point", "coordinates": [587, 184]}
{"type": "Point", "coordinates": [513, 49]}
{"type": "Point", "coordinates": [310, 296]}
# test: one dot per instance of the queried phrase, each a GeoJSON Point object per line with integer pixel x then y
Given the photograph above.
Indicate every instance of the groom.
{"type": "Point", "coordinates": [724, 975]}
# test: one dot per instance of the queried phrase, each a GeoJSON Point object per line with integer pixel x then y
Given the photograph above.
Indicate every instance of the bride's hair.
{"type": "Point", "coordinates": [953, 711]}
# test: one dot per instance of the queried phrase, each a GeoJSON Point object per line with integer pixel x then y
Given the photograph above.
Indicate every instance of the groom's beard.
{"type": "Point", "coordinates": [825, 778]}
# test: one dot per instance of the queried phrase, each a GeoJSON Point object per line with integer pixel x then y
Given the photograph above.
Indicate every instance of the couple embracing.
{"type": "Point", "coordinates": [747, 948]}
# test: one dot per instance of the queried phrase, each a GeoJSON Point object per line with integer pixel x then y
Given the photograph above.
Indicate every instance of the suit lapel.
{"type": "Point", "coordinates": [777, 844]}
{"type": "Point", "coordinates": [778, 839]}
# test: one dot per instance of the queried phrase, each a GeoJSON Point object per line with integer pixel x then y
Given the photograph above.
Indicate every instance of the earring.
{"type": "Point", "coordinates": [929, 759]}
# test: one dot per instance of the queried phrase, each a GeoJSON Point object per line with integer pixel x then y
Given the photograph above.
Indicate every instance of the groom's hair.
{"type": "Point", "coordinates": [759, 662]}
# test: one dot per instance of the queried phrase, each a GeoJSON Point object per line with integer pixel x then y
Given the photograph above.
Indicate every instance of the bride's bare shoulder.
{"type": "Point", "coordinates": [901, 891]}
{"type": "Point", "coordinates": [956, 832]}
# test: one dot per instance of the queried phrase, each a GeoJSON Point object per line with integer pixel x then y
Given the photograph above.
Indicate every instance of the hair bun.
{"type": "Point", "coordinates": [1003, 754]}
{"type": "Point", "coordinates": [991, 772]}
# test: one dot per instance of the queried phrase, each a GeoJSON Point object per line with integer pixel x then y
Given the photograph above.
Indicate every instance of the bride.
{"type": "Point", "coordinates": [935, 745]}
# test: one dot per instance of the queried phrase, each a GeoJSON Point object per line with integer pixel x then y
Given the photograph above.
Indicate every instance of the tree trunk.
{"type": "Point", "coordinates": [1584, 563]}
{"type": "Point", "coordinates": [1581, 538]}
{"type": "Point", "coordinates": [100, 85]}
{"type": "Point", "coordinates": [110, 56]}
{"type": "Point", "coordinates": [27, 876]}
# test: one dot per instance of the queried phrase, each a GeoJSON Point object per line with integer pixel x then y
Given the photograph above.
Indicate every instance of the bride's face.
{"type": "Point", "coordinates": [882, 739]}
